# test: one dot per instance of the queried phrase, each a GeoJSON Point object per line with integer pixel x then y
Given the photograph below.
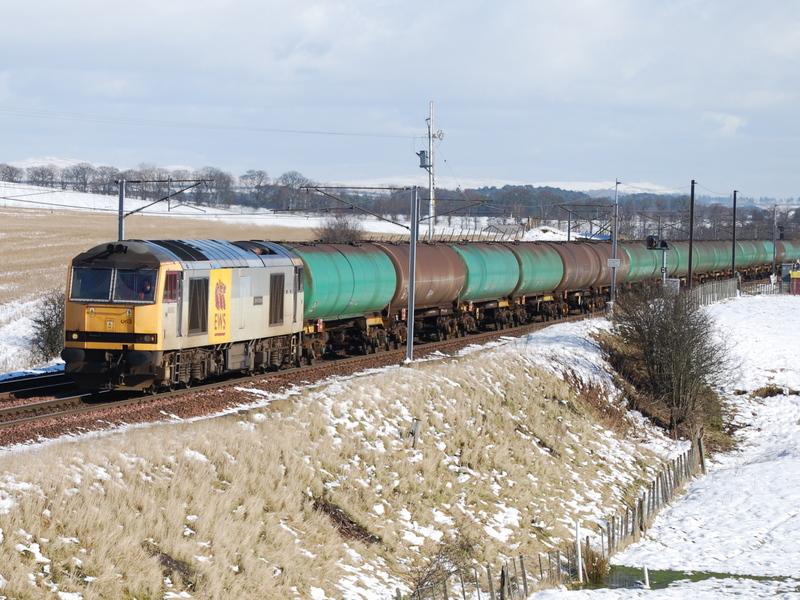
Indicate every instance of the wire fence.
{"type": "Point", "coordinates": [714, 291]}
{"type": "Point", "coordinates": [585, 559]}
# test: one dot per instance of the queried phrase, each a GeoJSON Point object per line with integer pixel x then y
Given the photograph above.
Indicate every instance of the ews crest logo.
{"type": "Point", "coordinates": [219, 295]}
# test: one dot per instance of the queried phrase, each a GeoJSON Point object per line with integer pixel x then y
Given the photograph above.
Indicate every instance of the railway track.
{"type": "Point", "coordinates": [79, 404]}
{"type": "Point", "coordinates": [34, 385]}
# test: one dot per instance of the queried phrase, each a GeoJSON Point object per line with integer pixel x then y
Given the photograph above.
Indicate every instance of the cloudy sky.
{"type": "Point", "coordinates": [527, 91]}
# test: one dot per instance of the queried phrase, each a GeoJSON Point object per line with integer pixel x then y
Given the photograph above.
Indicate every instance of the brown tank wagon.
{"type": "Point", "coordinates": [581, 265]}
{"type": "Point", "coordinates": [441, 275]}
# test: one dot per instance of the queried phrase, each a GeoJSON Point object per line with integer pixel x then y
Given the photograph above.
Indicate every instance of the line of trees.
{"type": "Point", "coordinates": [640, 214]}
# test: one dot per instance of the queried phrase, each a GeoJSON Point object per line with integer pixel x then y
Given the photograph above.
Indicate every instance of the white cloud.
{"type": "Point", "coordinates": [526, 91]}
{"type": "Point", "coordinates": [726, 125]}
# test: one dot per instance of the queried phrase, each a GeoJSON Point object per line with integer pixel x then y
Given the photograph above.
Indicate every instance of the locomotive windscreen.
{"type": "Point", "coordinates": [135, 286]}
{"type": "Point", "coordinates": [91, 284]}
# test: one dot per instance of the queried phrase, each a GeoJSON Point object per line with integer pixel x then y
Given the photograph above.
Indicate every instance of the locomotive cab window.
{"type": "Point", "coordinates": [172, 286]}
{"type": "Point", "coordinates": [91, 284]}
{"type": "Point", "coordinates": [135, 286]}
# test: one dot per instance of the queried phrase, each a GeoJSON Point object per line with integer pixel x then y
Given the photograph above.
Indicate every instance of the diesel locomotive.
{"type": "Point", "coordinates": [153, 314]}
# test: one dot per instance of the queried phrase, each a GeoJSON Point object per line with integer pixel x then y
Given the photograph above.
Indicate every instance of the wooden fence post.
{"type": "Point", "coordinates": [461, 581]}
{"type": "Point", "coordinates": [491, 583]}
{"type": "Point", "coordinates": [541, 570]}
{"type": "Point", "coordinates": [524, 576]}
{"type": "Point", "coordinates": [477, 582]}
{"type": "Point", "coordinates": [444, 585]}
{"type": "Point", "coordinates": [516, 573]}
{"type": "Point", "coordinates": [612, 544]}
{"type": "Point", "coordinates": [702, 454]}
{"type": "Point", "coordinates": [558, 564]}
{"type": "Point", "coordinates": [415, 432]}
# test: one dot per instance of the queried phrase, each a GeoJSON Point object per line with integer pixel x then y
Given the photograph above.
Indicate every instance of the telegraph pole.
{"type": "Point", "coordinates": [691, 233]}
{"type": "Point", "coordinates": [121, 212]}
{"type": "Point", "coordinates": [431, 176]}
{"type": "Point", "coordinates": [614, 262]}
{"type": "Point", "coordinates": [426, 162]}
{"type": "Point", "coordinates": [412, 274]}
{"type": "Point", "coordinates": [733, 242]}
{"type": "Point", "coordinates": [774, 238]}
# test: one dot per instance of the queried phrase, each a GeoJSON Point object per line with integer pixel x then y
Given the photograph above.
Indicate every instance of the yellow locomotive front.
{"type": "Point", "coordinates": [113, 318]}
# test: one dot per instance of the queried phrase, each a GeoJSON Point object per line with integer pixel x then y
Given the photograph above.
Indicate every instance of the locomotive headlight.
{"type": "Point", "coordinates": [149, 338]}
{"type": "Point", "coordinates": [91, 310]}
{"type": "Point", "coordinates": [74, 336]}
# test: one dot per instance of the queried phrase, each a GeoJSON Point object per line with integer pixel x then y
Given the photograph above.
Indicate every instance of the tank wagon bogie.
{"type": "Point", "coordinates": [161, 313]}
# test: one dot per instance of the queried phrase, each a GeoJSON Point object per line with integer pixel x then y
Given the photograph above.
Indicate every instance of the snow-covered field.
{"type": "Point", "coordinates": [28, 196]}
{"type": "Point", "coordinates": [744, 517]}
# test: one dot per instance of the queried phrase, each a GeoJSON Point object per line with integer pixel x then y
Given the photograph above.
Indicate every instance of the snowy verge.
{"type": "Point", "coordinates": [744, 517]}
{"type": "Point", "coordinates": [708, 589]}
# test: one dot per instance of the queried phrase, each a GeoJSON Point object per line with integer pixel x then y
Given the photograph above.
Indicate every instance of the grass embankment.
{"type": "Point", "coordinates": [322, 488]}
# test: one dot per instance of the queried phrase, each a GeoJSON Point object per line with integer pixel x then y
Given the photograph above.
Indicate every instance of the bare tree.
{"type": "Point", "coordinates": [293, 179]}
{"type": "Point", "coordinates": [78, 176]}
{"type": "Point", "coordinates": [340, 229]}
{"type": "Point", "coordinates": [10, 173]}
{"type": "Point", "coordinates": [292, 196]}
{"type": "Point", "coordinates": [103, 181]}
{"type": "Point", "coordinates": [672, 343]}
{"type": "Point", "coordinates": [44, 175]}
{"type": "Point", "coordinates": [219, 187]}
{"type": "Point", "coordinates": [255, 184]}
{"type": "Point", "coordinates": [48, 326]}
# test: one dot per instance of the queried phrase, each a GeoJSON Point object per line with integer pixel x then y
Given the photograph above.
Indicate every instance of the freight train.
{"type": "Point", "coordinates": [154, 314]}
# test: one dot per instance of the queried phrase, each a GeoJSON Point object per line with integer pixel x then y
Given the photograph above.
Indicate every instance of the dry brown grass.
{"type": "Point", "coordinates": [36, 245]}
{"type": "Point", "coordinates": [140, 508]}
{"type": "Point", "coordinates": [768, 391]}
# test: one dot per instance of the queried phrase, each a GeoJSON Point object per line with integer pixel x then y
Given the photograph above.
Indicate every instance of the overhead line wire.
{"type": "Point", "coordinates": [102, 119]}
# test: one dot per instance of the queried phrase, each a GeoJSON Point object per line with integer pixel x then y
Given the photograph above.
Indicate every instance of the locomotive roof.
{"type": "Point", "coordinates": [191, 254]}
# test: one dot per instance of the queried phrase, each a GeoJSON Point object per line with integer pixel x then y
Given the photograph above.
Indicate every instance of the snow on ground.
{"type": "Point", "coordinates": [16, 332]}
{"type": "Point", "coordinates": [28, 196]}
{"type": "Point", "coordinates": [16, 329]}
{"type": "Point", "coordinates": [544, 233]}
{"type": "Point", "coordinates": [743, 518]}
{"type": "Point", "coordinates": [708, 589]}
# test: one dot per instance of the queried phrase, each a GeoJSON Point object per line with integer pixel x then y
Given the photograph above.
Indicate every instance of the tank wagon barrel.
{"type": "Point", "coordinates": [492, 271]}
{"type": "Point", "coordinates": [343, 281]}
{"type": "Point", "coordinates": [541, 268]}
{"type": "Point", "coordinates": [581, 265]}
{"type": "Point", "coordinates": [440, 276]}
